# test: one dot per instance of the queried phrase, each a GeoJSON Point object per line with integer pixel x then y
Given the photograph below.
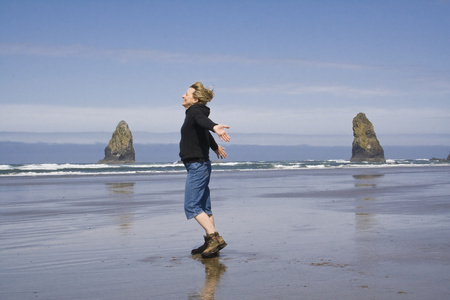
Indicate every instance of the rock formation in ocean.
{"type": "Point", "coordinates": [120, 148]}
{"type": "Point", "coordinates": [441, 159]}
{"type": "Point", "coordinates": [366, 147]}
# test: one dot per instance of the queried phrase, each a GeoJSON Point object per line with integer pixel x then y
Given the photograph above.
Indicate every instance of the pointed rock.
{"type": "Point", "coordinates": [120, 148]}
{"type": "Point", "coordinates": [366, 147]}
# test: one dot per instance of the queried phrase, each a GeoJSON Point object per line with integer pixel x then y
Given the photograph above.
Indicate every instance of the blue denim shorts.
{"type": "Point", "coordinates": [196, 195]}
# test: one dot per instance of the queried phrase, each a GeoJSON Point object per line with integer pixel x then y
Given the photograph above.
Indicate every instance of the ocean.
{"type": "Point", "coordinates": [77, 169]}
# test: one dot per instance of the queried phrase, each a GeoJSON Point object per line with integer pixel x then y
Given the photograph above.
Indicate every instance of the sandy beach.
{"type": "Point", "coordinates": [378, 233]}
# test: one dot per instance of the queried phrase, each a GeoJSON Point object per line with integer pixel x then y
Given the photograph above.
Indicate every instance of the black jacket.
{"type": "Point", "coordinates": [195, 136]}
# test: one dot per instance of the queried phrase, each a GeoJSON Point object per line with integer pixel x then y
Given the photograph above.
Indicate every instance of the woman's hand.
{"type": "Point", "coordinates": [221, 154]}
{"type": "Point", "coordinates": [220, 130]}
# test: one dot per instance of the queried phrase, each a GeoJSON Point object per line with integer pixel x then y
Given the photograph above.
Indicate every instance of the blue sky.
{"type": "Point", "coordinates": [278, 67]}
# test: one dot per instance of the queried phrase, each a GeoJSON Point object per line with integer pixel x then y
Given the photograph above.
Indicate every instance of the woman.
{"type": "Point", "coordinates": [196, 140]}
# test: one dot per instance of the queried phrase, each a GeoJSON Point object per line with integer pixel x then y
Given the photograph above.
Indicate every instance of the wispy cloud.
{"type": "Point", "coordinates": [302, 89]}
{"type": "Point", "coordinates": [130, 55]}
{"type": "Point", "coordinates": [89, 52]}
{"type": "Point", "coordinates": [53, 118]}
{"type": "Point", "coordinates": [329, 121]}
{"type": "Point", "coordinates": [339, 90]}
{"type": "Point", "coordinates": [333, 120]}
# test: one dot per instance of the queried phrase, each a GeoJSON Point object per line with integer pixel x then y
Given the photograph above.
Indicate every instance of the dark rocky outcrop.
{"type": "Point", "coordinates": [437, 159]}
{"type": "Point", "coordinates": [120, 148]}
{"type": "Point", "coordinates": [441, 159]}
{"type": "Point", "coordinates": [366, 147]}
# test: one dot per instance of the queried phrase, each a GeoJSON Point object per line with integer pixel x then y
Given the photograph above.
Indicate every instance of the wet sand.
{"type": "Point", "coordinates": [300, 234]}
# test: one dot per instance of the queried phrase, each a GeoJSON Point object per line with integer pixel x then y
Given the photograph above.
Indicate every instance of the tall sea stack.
{"type": "Point", "coordinates": [120, 148]}
{"type": "Point", "coordinates": [366, 147]}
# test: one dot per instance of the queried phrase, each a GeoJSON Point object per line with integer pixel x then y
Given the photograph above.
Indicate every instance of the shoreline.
{"type": "Point", "coordinates": [73, 170]}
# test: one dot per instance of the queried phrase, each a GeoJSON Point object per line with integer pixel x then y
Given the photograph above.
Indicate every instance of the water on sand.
{"type": "Point", "coordinates": [348, 233]}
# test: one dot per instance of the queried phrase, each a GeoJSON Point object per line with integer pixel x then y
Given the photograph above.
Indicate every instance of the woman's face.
{"type": "Point", "coordinates": [188, 98]}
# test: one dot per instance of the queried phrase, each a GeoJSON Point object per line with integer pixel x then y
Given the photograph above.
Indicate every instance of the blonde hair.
{"type": "Point", "coordinates": [202, 94]}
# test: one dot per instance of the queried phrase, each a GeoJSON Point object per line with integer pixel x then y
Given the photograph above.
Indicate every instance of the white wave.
{"type": "Point", "coordinates": [315, 166]}
{"type": "Point", "coordinates": [176, 167]}
{"type": "Point", "coordinates": [38, 167]}
{"type": "Point", "coordinates": [64, 166]}
{"type": "Point", "coordinates": [339, 161]}
{"type": "Point", "coordinates": [34, 174]}
{"type": "Point", "coordinates": [50, 167]}
{"type": "Point", "coordinates": [288, 167]}
{"type": "Point", "coordinates": [220, 163]}
{"type": "Point", "coordinates": [377, 166]}
{"type": "Point", "coordinates": [91, 166]}
{"type": "Point", "coordinates": [156, 165]}
{"type": "Point", "coordinates": [80, 173]}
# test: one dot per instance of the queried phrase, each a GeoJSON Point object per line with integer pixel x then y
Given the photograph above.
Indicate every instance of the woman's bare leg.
{"type": "Point", "coordinates": [207, 222]}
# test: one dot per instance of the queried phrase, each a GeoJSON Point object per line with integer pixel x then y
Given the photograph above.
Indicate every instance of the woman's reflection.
{"type": "Point", "coordinates": [214, 269]}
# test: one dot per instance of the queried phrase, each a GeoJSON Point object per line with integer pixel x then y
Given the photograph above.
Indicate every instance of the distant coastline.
{"type": "Point", "coordinates": [238, 138]}
{"type": "Point", "coordinates": [20, 153]}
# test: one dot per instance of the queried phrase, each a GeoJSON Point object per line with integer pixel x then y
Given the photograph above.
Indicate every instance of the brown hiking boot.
{"type": "Point", "coordinates": [202, 248]}
{"type": "Point", "coordinates": [215, 243]}
{"type": "Point", "coordinates": [212, 246]}
{"type": "Point", "coordinates": [222, 243]}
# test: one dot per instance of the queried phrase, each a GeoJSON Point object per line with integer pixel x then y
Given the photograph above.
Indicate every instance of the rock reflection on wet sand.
{"type": "Point", "coordinates": [121, 187]}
